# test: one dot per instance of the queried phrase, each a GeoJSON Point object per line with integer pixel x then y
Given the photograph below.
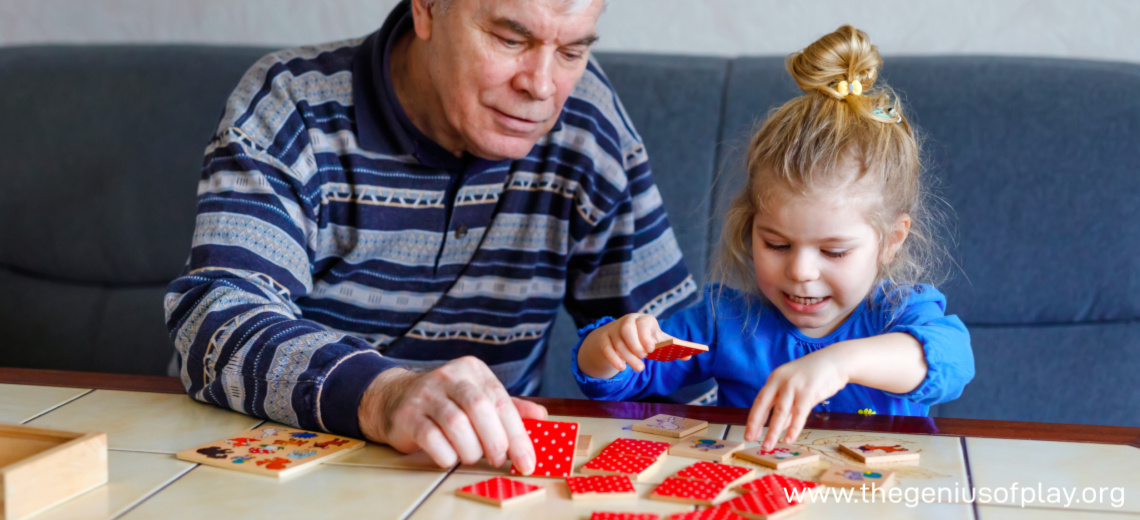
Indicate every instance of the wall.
{"type": "Point", "coordinates": [1099, 29]}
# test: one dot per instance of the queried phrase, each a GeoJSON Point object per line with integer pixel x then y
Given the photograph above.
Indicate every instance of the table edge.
{"type": "Point", "coordinates": [942, 426]}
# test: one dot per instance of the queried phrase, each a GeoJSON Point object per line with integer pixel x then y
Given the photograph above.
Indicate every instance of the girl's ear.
{"type": "Point", "coordinates": [896, 237]}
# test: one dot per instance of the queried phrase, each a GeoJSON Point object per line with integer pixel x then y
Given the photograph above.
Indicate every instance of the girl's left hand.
{"type": "Point", "coordinates": [791, 392]}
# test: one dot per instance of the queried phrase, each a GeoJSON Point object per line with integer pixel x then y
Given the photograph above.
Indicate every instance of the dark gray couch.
{"type": "Point", "coordinates": [100, 150]}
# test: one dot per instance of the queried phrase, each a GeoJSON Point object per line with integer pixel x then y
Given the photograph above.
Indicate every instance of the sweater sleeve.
{"type": "Point", "coordinates": [243, 342]}
{"type": "Point", "coordinates": [658, 378]}
{"type": "Point", "coordinates": [945, 344]}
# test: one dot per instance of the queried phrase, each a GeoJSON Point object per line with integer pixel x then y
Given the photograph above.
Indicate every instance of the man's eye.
{"type": "Point", "coordinates": [833, 254]}
{"type": "Point", "coordinates": [572, 56]}
{"type": "Point", "coordinates": [776, 247]}
{"type": "Point", "coordinates": [510, 43]}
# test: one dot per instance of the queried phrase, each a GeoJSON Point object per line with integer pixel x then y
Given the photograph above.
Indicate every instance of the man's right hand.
{"type": "Point", "coordinates": [457, 412]}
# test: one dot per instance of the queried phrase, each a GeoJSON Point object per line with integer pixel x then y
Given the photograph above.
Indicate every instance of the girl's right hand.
{"type": "Point", "coordinates": [625, 341]}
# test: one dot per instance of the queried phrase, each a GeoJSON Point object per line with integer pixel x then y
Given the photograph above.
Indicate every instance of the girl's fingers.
{"type": "Point", "coordinates": [631, 346]}
{"type": "Point", "coordinates": [758, 414]}
{"type": "Point", "coordinates": [612, 356]}
{"type": "Point", "coordinates": [781, 416]}
{"type": "Point", "coordinates": [799, 417]}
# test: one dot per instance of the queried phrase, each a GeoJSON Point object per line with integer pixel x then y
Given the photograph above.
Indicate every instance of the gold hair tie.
{"type": "Point", "coordinates": [855, 87]}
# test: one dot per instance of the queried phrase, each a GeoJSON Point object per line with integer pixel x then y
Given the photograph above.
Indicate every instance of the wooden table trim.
{"type": "Point", "coordinates": [947, 426]}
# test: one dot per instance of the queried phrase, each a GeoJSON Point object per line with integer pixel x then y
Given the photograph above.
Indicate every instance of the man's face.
{"type": "Point", "coordinates": [502, 70]}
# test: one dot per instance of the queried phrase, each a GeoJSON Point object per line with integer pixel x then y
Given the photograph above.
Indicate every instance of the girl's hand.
{"type": "Point", "coordinates": [792, 390]}
{"type": "Point", "coordinates": [609, 348]}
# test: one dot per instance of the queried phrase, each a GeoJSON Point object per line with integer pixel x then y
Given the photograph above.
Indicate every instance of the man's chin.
{"type": "Point", "coordinates": [503, 148]}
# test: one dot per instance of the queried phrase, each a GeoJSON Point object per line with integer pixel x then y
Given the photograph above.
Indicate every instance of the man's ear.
{"type": "Point", "coordinates": [424, 14]}
{"type": "Point", "coordinates": [896, 237]}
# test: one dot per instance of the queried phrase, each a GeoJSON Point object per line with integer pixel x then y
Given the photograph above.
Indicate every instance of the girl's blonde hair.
{"type": "Point", "coordinates": [810, 142]}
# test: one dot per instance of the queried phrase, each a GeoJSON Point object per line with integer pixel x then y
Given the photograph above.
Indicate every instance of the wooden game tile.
{"type": "Point", "coordinates": [275, 452]}
{"type": "Point", "coordinates": [600, 487]}
{"type": "Point", "coordinates": [716, 513]}
{"type": "Point", "coordinates": [669, 426]}
{"type": "Point", "coordinates": [686, 491]}
{"type": "Point", "coordinates": [878, 453]}
{"type": "Point", "coordinates": [706, 448]}
{"type": "Point", "coordinates": [501, 491]}
{"type": "Point", "coordinates": [776, 484]}
{"type": "Point", "coordinates": [606, 515]}
{"type": "Point", "coordinates": [610, 462]}
{"type": "Point", "coordinates": [781, 457]}
{"type": "Point", "coordinates": [714, 472]}
{"type": "Point", "coordinates": [554, 444]}
{"type": "Point", "coordinates": [762, 506]}
{"type": "Point", "coordinates": [582, 448]}
{"type": "Point", "coordinates": [674, 349]}
{"type": "Point", "coordinates": [641, 448]}
{"type": "Point", "coordinates": [853, 476]}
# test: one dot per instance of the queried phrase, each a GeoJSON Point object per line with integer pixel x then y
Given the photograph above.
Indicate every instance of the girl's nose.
{"type": "Point", "coordinates": [802, 267]}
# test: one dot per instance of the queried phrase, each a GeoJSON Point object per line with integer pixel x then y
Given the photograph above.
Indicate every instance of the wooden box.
{"type": "Point", "coordinates": [41, 468]}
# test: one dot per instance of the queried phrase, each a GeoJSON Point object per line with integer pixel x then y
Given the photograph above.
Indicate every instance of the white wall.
{"type": "Point", "coordinates": [1099, 29]}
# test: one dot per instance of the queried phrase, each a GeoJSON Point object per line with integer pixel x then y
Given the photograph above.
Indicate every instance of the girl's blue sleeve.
{"type": "Point", "coordinates": [945, 344]}
{"type": "Point", "coordinates": [659, 378]}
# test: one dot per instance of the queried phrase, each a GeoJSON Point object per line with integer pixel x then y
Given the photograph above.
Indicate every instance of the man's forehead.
{"type": "Point", "coordinates": [543, 19]}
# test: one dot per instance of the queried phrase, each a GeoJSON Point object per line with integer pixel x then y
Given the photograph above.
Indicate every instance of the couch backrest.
{"type": "Point", "coordinates": [1037, 157]}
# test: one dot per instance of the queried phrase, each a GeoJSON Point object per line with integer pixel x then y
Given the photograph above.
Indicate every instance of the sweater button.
{"type": "Point", "coordinates": [461, 232]}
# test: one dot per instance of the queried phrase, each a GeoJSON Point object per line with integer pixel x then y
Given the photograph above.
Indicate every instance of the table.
{"type": "Point", "coordinates": [149, 418]}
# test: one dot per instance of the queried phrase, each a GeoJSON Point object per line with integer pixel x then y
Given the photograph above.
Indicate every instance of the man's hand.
{"type": "Point", "coordinates": [458, 411]}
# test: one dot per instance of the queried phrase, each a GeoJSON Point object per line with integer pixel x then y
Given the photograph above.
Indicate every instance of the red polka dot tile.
{"type": "Point", "coordinates": [605, 515]}
{"type": "Point", "coordinates": [701, 492]}
{"type": "Point", "coordinates": [714, 472]}
{"type": "Point", "coordinates": [716, 513]}
{"type": "Point", "coordinates": [674, 349]}
{"type": "Point", "coordinates": [501, 491]}
{"type": "Point", "coordinates": [553, 447]}
{"type": "Point", "coordinates": [777, 484]}
{"type": "Point", "coordinates": [643, 448]}
{"type": "Point", "coordinates": [601, 487]}
{"type": "Point", "coordinates": [610, 462]}
{"type": "Point", "coordinates": [762, 505]}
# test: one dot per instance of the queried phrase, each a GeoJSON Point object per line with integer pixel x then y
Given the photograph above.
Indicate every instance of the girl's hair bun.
{"type": "Point", "coordinates": [845, 55]}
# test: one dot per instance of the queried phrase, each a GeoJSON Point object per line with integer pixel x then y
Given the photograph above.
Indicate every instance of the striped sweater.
{"type": "Point", "coordinates": [334, 241]}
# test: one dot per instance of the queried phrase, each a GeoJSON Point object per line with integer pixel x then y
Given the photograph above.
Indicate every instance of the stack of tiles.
{"type": "Point", "coordinates": [634, 458]}
{"type": "Point", "coordinates": [605, 515]}
{"type": "Point", "coordinates": [600, 487]}
{"type": "Point", "coordinates": [703, 483]}
{"type": "Point", "coordinates": [554, 444]}
{"type": "Point", "coordinates": [768, 498]}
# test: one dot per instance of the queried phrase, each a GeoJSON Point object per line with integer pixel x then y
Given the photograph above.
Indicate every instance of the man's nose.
{"type": "Point", "coordinates": [536, 74]}
{"type": "Point", "coordinates": [802, 267]}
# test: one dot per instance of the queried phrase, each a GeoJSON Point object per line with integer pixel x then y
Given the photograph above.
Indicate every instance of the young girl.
{"type": "Point", "coordinates": [820, 258]}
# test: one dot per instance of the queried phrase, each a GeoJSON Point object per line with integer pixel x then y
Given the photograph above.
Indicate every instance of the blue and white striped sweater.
{"type": "Point", "coordinates": [322, 256]}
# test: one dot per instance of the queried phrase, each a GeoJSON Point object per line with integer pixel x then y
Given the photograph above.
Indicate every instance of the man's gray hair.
{"type": "Point", "coordinates": [572, 6]}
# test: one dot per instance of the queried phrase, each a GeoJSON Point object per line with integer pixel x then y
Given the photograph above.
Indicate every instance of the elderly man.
{"type": "Point", "coordinates": [386, 228]}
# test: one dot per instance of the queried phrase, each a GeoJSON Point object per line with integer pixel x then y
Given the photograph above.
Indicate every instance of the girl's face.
{"type": "Point", "coordinates": [816, 257]}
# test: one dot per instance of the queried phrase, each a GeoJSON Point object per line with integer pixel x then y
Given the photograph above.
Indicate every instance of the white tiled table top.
{"type": "Point", "coordinates": [19, 403]}
{"type": "Point", "coordinates": [146, 481]}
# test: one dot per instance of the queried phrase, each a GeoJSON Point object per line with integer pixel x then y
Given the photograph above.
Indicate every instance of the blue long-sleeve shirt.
{"type": "Point", "coordinates": [748, 339]}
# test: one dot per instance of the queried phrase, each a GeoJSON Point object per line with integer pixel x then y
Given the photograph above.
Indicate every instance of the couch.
{"type": "Point", "coordinates": [100, 151]}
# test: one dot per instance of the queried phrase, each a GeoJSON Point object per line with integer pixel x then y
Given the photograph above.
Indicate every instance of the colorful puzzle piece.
{"type": "Point", "coordinates": [713, 472]}
{"type": "Point", "coordinates": [853, 476]}
{"type": "Point", "coordinates": [762, 506]}
{"type": "Point", "coordinates": [275, 452]}
{"type": "Point", "coordinates": [501, 491]}
{"type": "Point", "coordinates": [553, 447]}
{"type": "Point", "coordinates": [674, 349]}
{"type": "Point", "coordinates": [706, 448]}
{"type": "Point", "coordinates": [593, 487]}
{"type": "Point", "coordinates": [669, 426]}
{"type": "Point", "coordinates": [781, 457]}
{"type": "Point", "coordinates": [878, 452]}
{"type": "Point", "coordinates": [686, 491]}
